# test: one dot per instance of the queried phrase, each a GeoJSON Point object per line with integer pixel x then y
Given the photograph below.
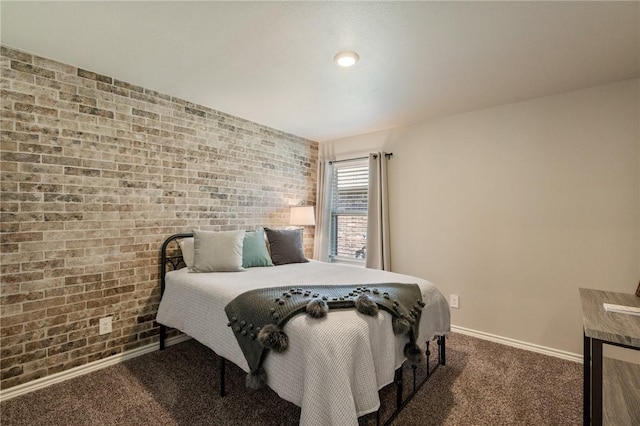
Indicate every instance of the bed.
{"type": "Point", "coordinates": [334, 367]}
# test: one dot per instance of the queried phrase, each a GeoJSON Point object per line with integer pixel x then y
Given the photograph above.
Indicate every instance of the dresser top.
{"type": "Point", "coordinates": [611, 327]}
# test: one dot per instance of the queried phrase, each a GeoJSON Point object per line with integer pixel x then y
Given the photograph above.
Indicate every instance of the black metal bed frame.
{"type": "Point", "coordinates": [177, 262]}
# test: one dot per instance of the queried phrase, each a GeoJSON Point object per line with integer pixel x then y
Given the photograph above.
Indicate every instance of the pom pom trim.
{"type": "Point", "coordinates": [366, 306]}
{"type": "Point", "coordinates": [273, 338]}
{"type": "Point", "coordinates": [256, 379]}
{"type": "Point", "coordinates": [400, 325]}
{"type": "Point", "coordinates": [317, 308]}
{"type": "Point", "coordinates": [413, 353]}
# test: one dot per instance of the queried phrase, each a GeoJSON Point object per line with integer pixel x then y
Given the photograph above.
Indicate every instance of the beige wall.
{"type": "Point", "coordinates": [96, 173]}
{"type": "Point", "coordinates": [515, 207]}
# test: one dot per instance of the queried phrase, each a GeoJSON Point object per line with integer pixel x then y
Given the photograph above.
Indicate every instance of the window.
{"type": "Point", "coordinates": [349, 198]}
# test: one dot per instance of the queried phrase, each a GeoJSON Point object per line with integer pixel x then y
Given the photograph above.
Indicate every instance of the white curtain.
{"type": "Point", "coordinates": [378, 250]}
{"type": "Point", "coordinates": [322, 237]}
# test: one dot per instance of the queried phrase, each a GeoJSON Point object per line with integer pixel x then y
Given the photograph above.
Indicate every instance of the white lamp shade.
{"type": "Point", "coordinates": [302, 216]}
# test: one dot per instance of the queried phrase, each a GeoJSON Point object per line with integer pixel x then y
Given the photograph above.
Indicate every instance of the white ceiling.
{"type": "Point", "coordinates": [271, 62]}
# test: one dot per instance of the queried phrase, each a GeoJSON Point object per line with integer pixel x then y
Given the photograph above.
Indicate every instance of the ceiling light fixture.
{"type": "Point", "coordinates": [346, 59]}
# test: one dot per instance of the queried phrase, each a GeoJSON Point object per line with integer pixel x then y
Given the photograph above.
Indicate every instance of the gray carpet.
{"type": "Point", "coordinates": [483, 383]}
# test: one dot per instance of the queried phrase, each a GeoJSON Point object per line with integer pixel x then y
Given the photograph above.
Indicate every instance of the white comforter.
{"type": "Point", "coordinates": [333, 367]}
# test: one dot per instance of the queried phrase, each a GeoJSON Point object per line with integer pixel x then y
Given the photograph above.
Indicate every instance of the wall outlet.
{"type": "Point", "coordinates": [105, 325]}
{"type": "Point", "coordinates": [453, 300]}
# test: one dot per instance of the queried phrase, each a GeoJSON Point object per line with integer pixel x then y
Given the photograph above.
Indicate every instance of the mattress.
{"type": "Point", "coordinates": [334, 366]}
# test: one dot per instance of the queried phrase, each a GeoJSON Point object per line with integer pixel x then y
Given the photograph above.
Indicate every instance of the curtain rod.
{"type": "Point", "coordinates": [388, 156]}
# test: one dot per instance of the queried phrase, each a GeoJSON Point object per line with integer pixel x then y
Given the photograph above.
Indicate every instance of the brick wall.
{"type": "Point", "coordinates": [96, 173]}
{"type": "Point", "coordinates": [351, 237]}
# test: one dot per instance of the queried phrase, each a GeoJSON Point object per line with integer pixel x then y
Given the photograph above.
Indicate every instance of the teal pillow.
{"type": "Point", "coordinates": [254, 250]}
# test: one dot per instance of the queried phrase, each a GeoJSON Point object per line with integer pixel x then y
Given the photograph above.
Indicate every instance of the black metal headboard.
{"type": "Point", "coordinates": [175, 261]}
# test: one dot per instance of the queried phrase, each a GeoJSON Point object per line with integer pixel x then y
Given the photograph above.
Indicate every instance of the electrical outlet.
{"type": "Point", "coordinates": [453, 301]}
{"type": "Point", "coordinates": [105, 325]}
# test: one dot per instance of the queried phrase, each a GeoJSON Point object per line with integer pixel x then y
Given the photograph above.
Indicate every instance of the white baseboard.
{"type": "Point", "coordinates": [115, 359]}
{"type": "Point", "coordinates": [85, 369]}
{"type": "Point", "coordinates": [570, 356]}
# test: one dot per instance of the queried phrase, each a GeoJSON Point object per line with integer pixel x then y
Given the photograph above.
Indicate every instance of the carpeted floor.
{"type": "Point", "coordinates": [483, 383]}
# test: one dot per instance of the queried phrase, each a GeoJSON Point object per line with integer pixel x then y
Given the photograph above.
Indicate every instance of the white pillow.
{"type": "Point", "coordinates": [217, 251]}
{"type": "Point", "coordinates": [186, 246]}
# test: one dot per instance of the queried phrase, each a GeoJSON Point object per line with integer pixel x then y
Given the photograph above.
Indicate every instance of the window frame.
{"type": "Point", "coordinates": [336, 213]}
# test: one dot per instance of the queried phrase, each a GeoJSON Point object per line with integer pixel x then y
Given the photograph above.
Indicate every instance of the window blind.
{"type": "Point", "coordinates": [350, 190]}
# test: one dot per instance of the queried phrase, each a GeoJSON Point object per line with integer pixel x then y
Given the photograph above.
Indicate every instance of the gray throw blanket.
{"type": "Point", "coordinates": [258, 316]}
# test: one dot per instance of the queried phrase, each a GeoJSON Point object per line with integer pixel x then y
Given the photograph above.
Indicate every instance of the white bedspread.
{"type": "Point", "coordinates": [333, 367]}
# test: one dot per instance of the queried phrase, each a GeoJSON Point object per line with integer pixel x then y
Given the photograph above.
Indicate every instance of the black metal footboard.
{"type": "Point", "coordinates": [398, 381]}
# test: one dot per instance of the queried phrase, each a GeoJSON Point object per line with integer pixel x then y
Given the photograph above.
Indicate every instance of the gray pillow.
{"type": "Point", "coordinates": [285, 246]}
{"type": "Point", "coordinates": [217, 251]}
{"type": "Point", "coordinates": [186, 247]}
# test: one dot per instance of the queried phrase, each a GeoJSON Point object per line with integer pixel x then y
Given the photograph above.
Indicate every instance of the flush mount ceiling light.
{"type": "Point", "coordinates": [346, 59]}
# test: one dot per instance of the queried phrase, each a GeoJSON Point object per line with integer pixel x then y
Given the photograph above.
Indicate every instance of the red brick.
{"type": "Point", "coordinates": [44, 322]}
{"type": "Point", "coordinates": [83, 279]}
{"type": "Point", "coordinates": [65, 309]}
{"type": "Point", "coordinates": [42, 304]}
{"type": "Point", "coordinates": [66, 347]}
